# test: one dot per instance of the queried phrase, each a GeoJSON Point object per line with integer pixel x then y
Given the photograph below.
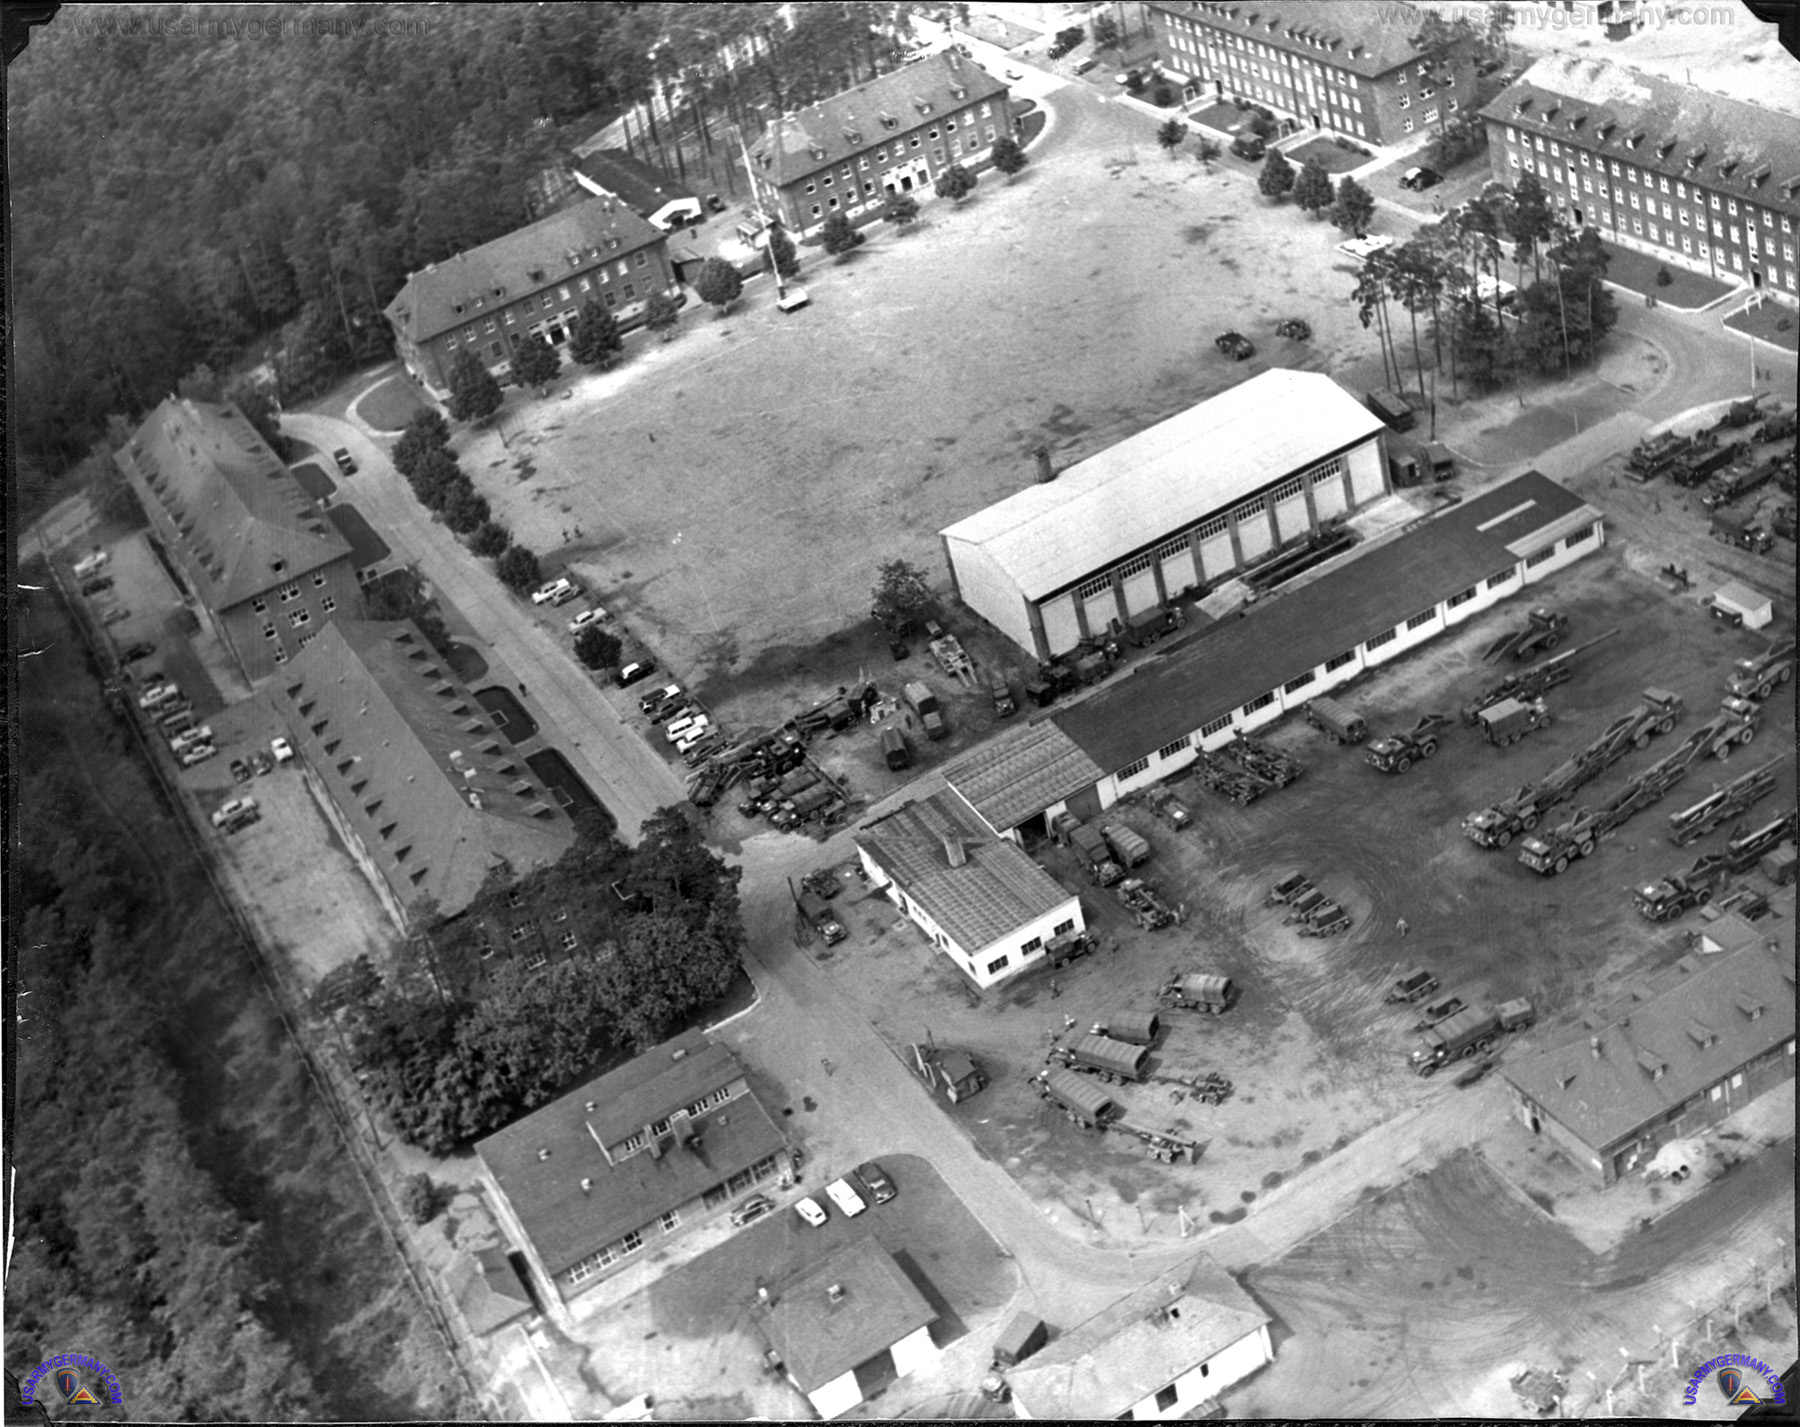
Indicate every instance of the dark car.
{"type": "Point", "coordinates": [96, 585]}
{"type": "Point", "coordinates": [1419, 179]}
{"type": "Point", "coordinates": [345, 465]}
{"type": "Point", "coordinates": [240, 771]}
{"type": "Point", "coordinates": [637, 669]}
{"type": "Point", "coordinates": [752, 1209]}
{"type": "Point", "coordinates": [1234, 345]}
{"type": "Point", "coordinates": [715, 203]}
{"type": "Point", "coordinates": [132, 653]}
{"type": "Point", "coordinates": [875, 1179]}
{"type": "Point", "coordinates": [1295, 329]}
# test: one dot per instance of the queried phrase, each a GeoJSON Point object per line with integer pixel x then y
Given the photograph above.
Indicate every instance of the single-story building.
{"type": "Point", "coordinates": [1164, 1352]}
{"type": "Point", "coordinates": [487, 1291]}
{"type": "Point", "coordinates": [977, 897]}
{"type": "Point", "coordinates": [855, 1306]}
{"type": "Point", "coordinates": [633, 1158]}
{"type": "Point", "coordinates": [660, 199]}
{"type": "Point", "coordinates": [1669, 1057]}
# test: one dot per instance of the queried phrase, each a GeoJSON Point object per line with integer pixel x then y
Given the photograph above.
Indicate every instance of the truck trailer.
{"type": "Point", "coordinates": [1465, 1034]}
{"type": "Point", "coordinates": [1113, 1061]}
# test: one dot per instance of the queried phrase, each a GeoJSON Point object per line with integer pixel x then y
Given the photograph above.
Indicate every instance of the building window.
{"type": "Point", "coordinates": [1495, 581]}
{"type": "Point", "coordinates": [269, 632]}
{"type": "Point", "coordinates": [1407, 126]}
{"type": "Point", "coordinates": [328, 604]}
{"type": "Point", "coordinates": [1295, 685]}
{"type": "Point", "coordinates": [1286, 491]}
{"type": "Point", "coordinates": [1211, 529]}
{"type": "Point", "coordinates": [1089, 588]}
{"type": "Point", "coordinates": [1540, 556]}
{"type": "Point", "coordinates": [1169, 750]}
{"type": "Point", "coordinates": [1165, 1397]}
{"type": "Point", "coordinates": [1172, 548]}
{"type": "Point", "coordinates": [1420, 620]}
{"type": "Point", "coordinates": [570, 941]}
{"type": "Point", "coordinates": [1218, 725]}
{"type": "Point", "coordinates": [1463, 598]}
{"type": "Point", "coordinates": [1260, 703]}
{"type": "Point", "coordinates": [1387, 636]}
{"type": "Point", "coordinates": [1337, 661]}
{"type": "Point", "coordinates": [300, 618]}
{"type": "Point", "coordinates": [1251, 507]}
{"type": "Point", "coordinates": [670, 1219]}
{"type": "Point", "coordinates": [1581, 536]}
{"type": "Point", "coordinates": [997, 965]}
{"type": "Point", "coordinates": [260, 605]}
{"type": "Point", "coordinates": [1131, 770]}
{"type": "Point", "coordinates": [1135, 566]}
{"type": "Point", "coordinates": [1035, 944]}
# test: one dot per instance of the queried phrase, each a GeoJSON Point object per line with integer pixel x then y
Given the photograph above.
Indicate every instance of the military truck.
{"type": "Point", "coordinates": [1082, 1101]}
{"type": "Point", "coordinates": [1198, 992]}
{"type": "Point", "coordinates": [1756, 678]}
{"type": "Point", "coordinates": [1399, 751]}
{"type": "Point", "coordinates": [1001, 694]}
{"type": "Point", "coordinates": [894, 749]}
{"type": "Point", "coordinates": [1130, 849]}
{"type": "Point", "coordinates": [1510, 720]}
{"type": "Point", "coordinates": [1516, 1015]}
{"type": "Point", "coordinates": [1168, 807]}
{"type": "Point", "coordinates": [1412, 985]}
{"type": "Point", "coordinates": [1740, 528]}
{"type": "Point", "coordinates": [1113, 1061]}
{"type": "Point", "coordinates": [1341, 722]}
{"type": "Point", "coordinates": [818, 916]}
{"type": "Point", "coordinates": [1130, 1027]}
{"type": "Point", "coordinates": [1068, 946]}
{"type": "Point", "coordinates": [1093, 851]}
{"type": "Point", "coordinates": [924, 703]}
{"type": "Point", "coordinates": [1465, 1034]}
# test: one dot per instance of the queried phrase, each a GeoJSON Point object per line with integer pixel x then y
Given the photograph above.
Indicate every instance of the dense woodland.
{"type": "Point", "coordinates": [225, 199]}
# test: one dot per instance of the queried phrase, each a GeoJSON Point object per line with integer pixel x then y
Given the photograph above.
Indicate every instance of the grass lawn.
{"type": "Point", "coordinates": [1637, 271]}
{"type": "Point", "coordinates": [1217, 116]}
{"type": "Point", "coordinates": [1336, 160]}
{"type": "Point", "coordinates": [1770, 322]}
{"type": "Point", "coordinates": [391, 405]}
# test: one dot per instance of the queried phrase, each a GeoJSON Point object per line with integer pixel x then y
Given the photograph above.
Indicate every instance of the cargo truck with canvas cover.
{"type": "Point", "coordinates": [1113, 1061]}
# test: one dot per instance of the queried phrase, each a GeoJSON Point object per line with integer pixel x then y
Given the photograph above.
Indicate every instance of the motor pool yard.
{"type": "Point", "coordinates": [1316, 1057]}
{"type": "Point", "coordinates": [735, 490]}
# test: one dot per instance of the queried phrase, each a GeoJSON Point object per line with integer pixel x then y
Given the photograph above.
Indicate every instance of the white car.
{"type": "Point", "coordinates": [678, 728]}
{"type": "Point", "coordinates": [703, 729]}
{"type": "Point", "coordinates": [231, 811]}
{"type": "Point", "coordinates": [88, 564]}
{"type": "Point", "coordinates": [847, 1199]}
{"type": "Point", "coordinates": [558, 591]}
{"type": "Point", "coordinates": [282, 749]}
{"type": "Point", "coordinates": [158, 694]}
{"type": "Point", "coordinates": [188, 737]}
{"type": "Point", "coordinates": [811, 1211]}
{"type": "Point", "coordinates": [585, 618]}
{"type": "Point", "coordinates": [1364, 248]}
{"type": "Point", "coordinates": [199, 753]}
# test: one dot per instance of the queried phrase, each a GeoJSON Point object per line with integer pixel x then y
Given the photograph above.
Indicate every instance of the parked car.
{"type": "Point", "coordinates": [189, 736]}
{"type": "Point", "coordinates": [1295, 329]}
{"type": "Point", "coordinates": [1234, 345]}
{"type": "Point", "coordinates": [345, 465]}
{"type": "Point", "coordinates": [650, 702]}
{"type": "Point", "coordinates": [847, 1199]}
{"type": "Point", "coordinates": [558, 591]}
{"type": "Point", "coordinates": [1420, 178]}
{"type": "Point", "coordinates": [157, 694]}
{"type": "Point", "coordinates": [87, 564]}
{"type": "Point", "coordinates": [199, 753]}
{"type": "Point", "coordinates": [134, 652]}
{"type": "Point", "coordinates": [237, 807]}
{"type": "Point", "coordinates": [240, 771]}
{"type": "Point", "coordinates": [1361, 247]}
{"type": "Point", "coordinates": [282, 749]}
{"type": "Point", "coordinates": [637, 669]}
{"type": "Point", "coordinates": [96, 585]}
{"type": "Point", "coordinates": [715, 203]}
{"type": "Point", "coordinates": [585, 618]}
{"type": "Point", "coordinates": [812, 1212]}
{"type": "Point", "coordinates": [1086, 65]}
{"type": "Point", "coordinates": [114, 616]}
{"type": "Point", "coordinates": [874, 1179]}
{"type": "Point", "coordinates": [752, 1209]}
{"type": "Point", "coordinates": [263, 763]}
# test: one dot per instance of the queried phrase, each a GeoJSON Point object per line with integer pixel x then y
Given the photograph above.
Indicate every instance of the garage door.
{"type": "Point", "coordinates": [1101, 608]}
{"type": "Point", "coordinates": [1216, 557]}
{"type": "Point", "coordinates": [1060, 628]}
{"type": "Point", "coordinates": [1085, 804]}
{"type": "Point", "coordinates": [1254, 536]}
{"type": "Point", "coordinates": [1290, 515]}
{"type": "Point", "coordinates": [1365, 475]}
{"type": "Point", "coordinates": [1328, 497]}
{"type": "Point", "coordinates": [1178, 571]}
{"type": "Point", "coordinates": [1140, 592]}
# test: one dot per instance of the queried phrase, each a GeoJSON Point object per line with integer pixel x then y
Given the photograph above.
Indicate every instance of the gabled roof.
{"type": "Point", "coordinates": [643, 189]}
{"type": "Point", "coordinates": [1690, 1027]}
{"type": "Point", "coordinates": [247, 526]}
{"type": "Point", "coordinates": [486, 1288]}
{"type": "Point", "coordinates": [1362, 36]}
{"type": "Point", "coordinates": [1019, 772]}
{"type": "Point", "coordinates": [863, 118]}
{"type": "Point", "coordinates": [1181, 470]}
{"type": "Point", "coordinates": [1726, 145]}
{"type": "Point", "coordinates": [1229, 663]}
{"type": "Point", "coordinates": [571, 1200]}
{"type": "Point", "coordinates": [1138, 1346]}
{"type": "Point", "coordinates": [416, 766]}
{"type": "Point", "coordinates": [479, 283]}
{"type": "Point", "coordinates": [995, 890]}
{"type": "Point", "coordinates": [367, 548]}
{"type": "Point", "coordinates": [822, 1335]}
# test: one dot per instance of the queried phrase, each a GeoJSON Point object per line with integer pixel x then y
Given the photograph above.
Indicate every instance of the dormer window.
{"type": "Point", "coordinates": [888, 121]}
{"type": "Point", "coordinates": [922, 105]}
{"type": "Point", "coordinates": [1697, 157]}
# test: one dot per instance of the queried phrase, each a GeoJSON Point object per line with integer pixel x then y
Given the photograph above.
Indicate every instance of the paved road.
{"type": "Point", "coordinates": [627, 775]}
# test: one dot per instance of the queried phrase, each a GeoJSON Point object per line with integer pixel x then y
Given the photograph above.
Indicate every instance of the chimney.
{"type": "Point", "coordinates": [1594, 1046]}
{"type": "Point", "coordinates": [587, 1186]}
{"type": "Point", "coordinates": [543, 1154]}
{"type": "Point", "coordinates": [762, 1293]}
{"type": "Point", "coordinates": [835, 1293]}
{"type": "Point", "coordinates": [1045, 471]}
{"type": "Point", "coordinates": [591, 1106]}
{"type": "Point", "coordinates": [953, 851]}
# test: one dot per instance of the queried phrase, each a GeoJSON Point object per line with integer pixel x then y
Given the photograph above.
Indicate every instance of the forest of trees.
{"type": "Point", "coordinates": [225, 199]}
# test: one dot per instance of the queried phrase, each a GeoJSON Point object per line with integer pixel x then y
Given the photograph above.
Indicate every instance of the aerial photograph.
{"type": "Point", "coordinates": [873, 709]}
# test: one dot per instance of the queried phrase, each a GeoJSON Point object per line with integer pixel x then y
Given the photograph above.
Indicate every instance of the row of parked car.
{"type": "Point", "coordinates": [686, 725]}
{"type": "Point", "coordinates": [870, 1178]}
{"type": "Point", "coordinates": [561, 591]}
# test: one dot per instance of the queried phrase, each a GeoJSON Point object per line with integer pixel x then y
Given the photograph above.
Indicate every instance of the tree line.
{"type": "Point", "coordinates": [225, 202]}
{"type": "Point", "coordinates": [541, 981]}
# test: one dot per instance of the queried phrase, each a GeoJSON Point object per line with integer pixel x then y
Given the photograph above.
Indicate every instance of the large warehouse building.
{"type": "Point", "coordinates": [1240, 674]}
{"type": "Point", "coordinates": [1178, 507]}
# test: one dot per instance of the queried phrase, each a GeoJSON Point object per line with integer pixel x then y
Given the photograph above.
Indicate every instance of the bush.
{"type": "Point", "coordinates": [597, 649]}
{"type": "Point", "coordinates": [491, 540]}
{"type": "Point", "coordinates": [419, 1198]}
{"type": "Point", "coordinates": [467, 510]}
{"type": "Point", "coordinates": [838, 236]}
{"type": "Point", "coordinates": [1162, 96]}
{"type": "Point", "coordinates": [518, 570]}
{"type": "Point", "coordinates": [1664, 277]}
{"type": "Point", "coordinates": [660, 313]}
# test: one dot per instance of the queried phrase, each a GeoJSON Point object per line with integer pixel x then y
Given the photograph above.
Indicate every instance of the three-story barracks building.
{"type": "Point", "coordinates": [1698, 180]}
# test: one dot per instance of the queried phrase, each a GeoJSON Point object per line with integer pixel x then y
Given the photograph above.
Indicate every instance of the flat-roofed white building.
{"type": "Point", "coordinates": [1178, 507]}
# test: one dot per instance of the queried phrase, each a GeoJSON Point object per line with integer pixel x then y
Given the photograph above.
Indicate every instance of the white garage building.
{"type": "Point", "coordinates": [1177, 507]}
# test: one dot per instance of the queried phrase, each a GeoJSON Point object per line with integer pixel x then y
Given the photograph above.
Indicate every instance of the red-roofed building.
{"type": "Point", "coordinates": [1668, 1058]}
{"type": "Point", "coordinates": [850, 153]}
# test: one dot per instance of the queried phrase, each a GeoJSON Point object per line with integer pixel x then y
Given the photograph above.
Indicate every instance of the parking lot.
{"type": "Point", "coordinates": [1316, 1056]}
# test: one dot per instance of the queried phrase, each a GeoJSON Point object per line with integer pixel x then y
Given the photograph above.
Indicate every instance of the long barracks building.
{"type": "Point", "coordinates": [1239, 674]}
